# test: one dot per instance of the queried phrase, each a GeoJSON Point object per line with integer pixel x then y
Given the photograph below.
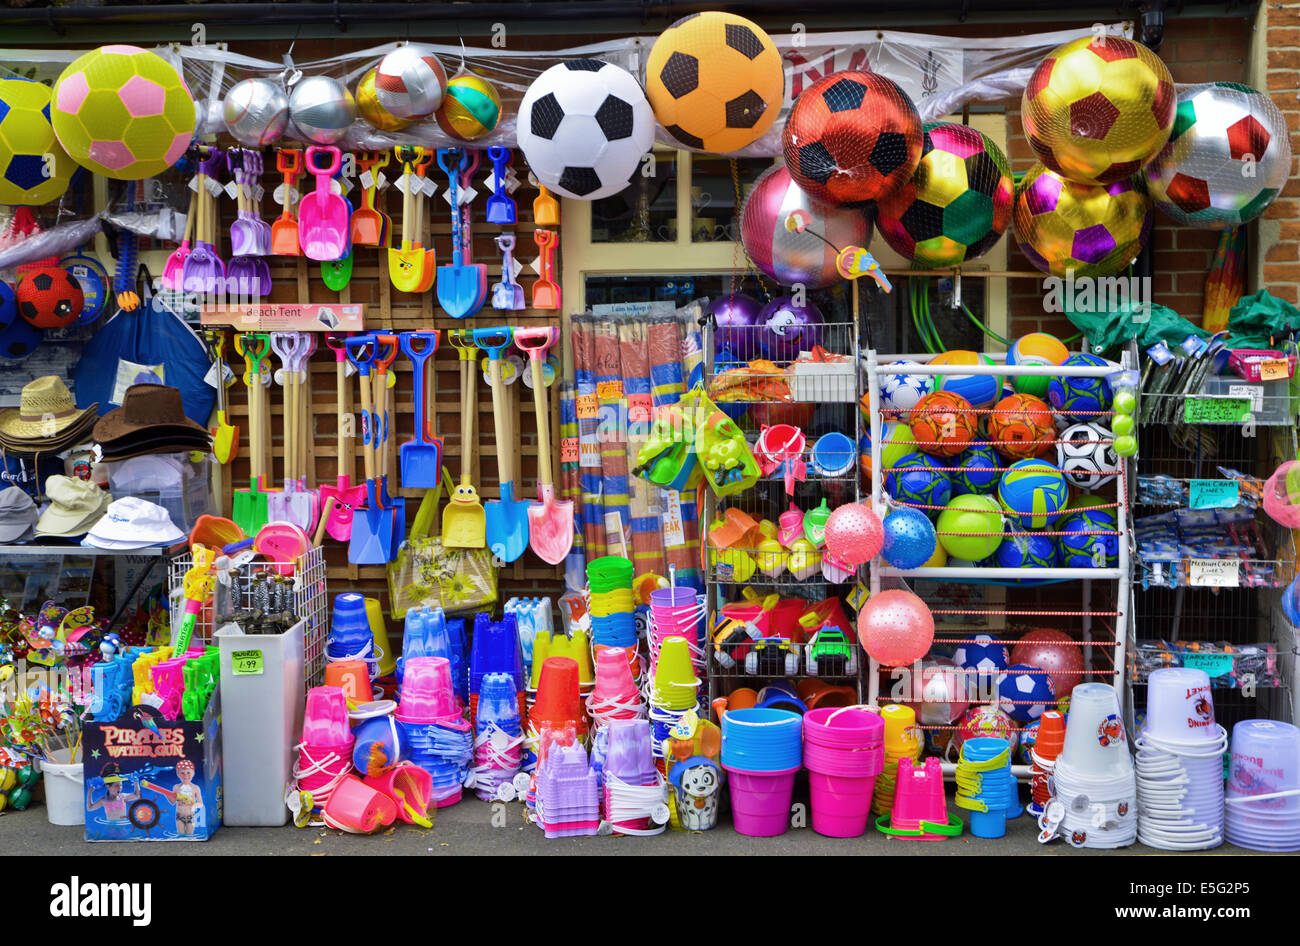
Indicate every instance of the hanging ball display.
{"type": "Point", "coordinates": [322, 109]}
{"type": "Point", "coordinates": [1091, 230]}
{"type": "Point", "coordinates": [584, 127]}
{"type": "Point", "coordinates": [49, 298]}
{"type": "Point", "coordinates": [122, 112]}
{"type": "Point", "coordinates": [896, 627]}
{"type": "Point", "coordinates": [736, 326]}
{"type": "Point", "coordinates": [785, 255]}
{"type": "Point", "coordinates": [1097, 109]}
{"type": "Point", "coordinates": [957, 204]}
{"type": "Point", "coordinates": [909, 539]}
{"type": "Point", "coordinates": [410, 81]}
{"type": "Point", "coordinates": [854, 534]}
{"type": "Point", "coordinates": [851, 138]}
{"type": "Point", "coordinates": [471, 108]}
{"type": "Point", "coordinates": [371, 111]}
{"type": "Point", "coordinates": [970, 527]}
{"type": "Point", "coordinates": [34, 168]}
{"type": "Point", "coordinates": [790, 328]}
{"type": "Point", "coordinates": [256, 112]}
{"type": "Point", "coordinates": [1040, 350]}
{"type": "Point", "coordinates": [715, 81]}
{"type": "Point", "coordinates": [1054, 651]}
{"type": "Point", "coordinates": [1229, 155]}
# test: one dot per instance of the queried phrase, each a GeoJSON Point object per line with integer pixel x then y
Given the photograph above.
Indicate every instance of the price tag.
{"type": "Point", "coordinates": [639, 408]}
{"type": "Point", "coordinates": [588, 406]}
{"type": "Point", "coordinates": [1216, 665]}
{"type": "Point", "coordinates": [674, 531]}
{"type": "Point", "coordinates": [609, 390]}
{"type": "Point", "coordinates": [570, 450]}
{"type": "Point", "coordinates": [1216, 410]}
{"type": "Point", "coordinates": [1253, 392]}
{"type": "Point", "coordinates": [1215, 573]}
{"type": "Point", "coordinates": [247, 663]}
{"type": "Point", "coordinates": [1215, 494]}
{"type": "Point", "coordinates": [1275, 369]}
{"type": "Point", "coordinates": [232, 190]}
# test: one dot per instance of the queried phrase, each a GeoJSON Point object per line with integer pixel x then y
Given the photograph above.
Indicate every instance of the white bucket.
{"type": "Point", "coordinates": [65, 801]}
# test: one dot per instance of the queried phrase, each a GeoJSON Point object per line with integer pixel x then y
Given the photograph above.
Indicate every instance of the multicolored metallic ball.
{"type": "Point", "coordinates": [256, 112]}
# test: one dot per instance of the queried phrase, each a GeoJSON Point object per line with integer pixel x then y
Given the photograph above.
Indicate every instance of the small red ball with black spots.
{"type": "Point", "coordinates": [49, 297]}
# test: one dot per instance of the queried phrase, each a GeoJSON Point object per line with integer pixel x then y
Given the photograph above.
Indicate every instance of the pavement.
{"type": "Point", "coordinates": [473, 827]}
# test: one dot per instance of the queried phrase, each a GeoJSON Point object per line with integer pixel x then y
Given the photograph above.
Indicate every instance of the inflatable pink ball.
{"type": "Point", "coordinates": [1282, 495]}
{"type": "Point", "coordinates": [896, 627]}
{"type": "Point", "coordinates": [1055, 652]}
{"type": "Point", "coordinates": [854, 534]}
{"type": "Point", "coordinates": [943, 692]}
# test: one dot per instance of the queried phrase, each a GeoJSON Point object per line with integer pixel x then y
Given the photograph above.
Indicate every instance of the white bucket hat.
{"type": "Point", "coordinates": [133, 523]}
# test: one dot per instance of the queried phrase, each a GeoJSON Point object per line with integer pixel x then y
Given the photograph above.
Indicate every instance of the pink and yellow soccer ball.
{"type": "Point", "coordinates": [122, 112]}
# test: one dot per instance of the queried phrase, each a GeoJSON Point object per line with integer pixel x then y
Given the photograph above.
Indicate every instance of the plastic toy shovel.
{"type": "Point", "coordinates": [346, 497]}
{"type": "Point", "coordinates": [507, 518]}
{"type": "Point", "coordinates": [323, 216]}
{"type": "Point", "coordinates": [459, 282]}
{"type": "Point", "coordinates": [550, 523]}
{"type": "Point", "coordinates": [421, 456]}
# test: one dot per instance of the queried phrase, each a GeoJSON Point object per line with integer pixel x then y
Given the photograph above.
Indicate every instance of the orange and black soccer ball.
{"type": "Point", "coordinates": [943, 424]}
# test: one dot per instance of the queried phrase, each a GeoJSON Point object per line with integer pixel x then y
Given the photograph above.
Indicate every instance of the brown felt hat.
{"type": "Point", "coordinates": [145, 408]}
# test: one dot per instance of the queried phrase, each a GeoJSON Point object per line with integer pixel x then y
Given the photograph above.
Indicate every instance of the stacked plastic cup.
{"type": "Point", "coordinates": [498, 739]}
{"type": "Point", "coordinates": [612, 605]}
{"type": "Point", "coordinates": [615, 695]}
{"type": "Point", "coordinates": [985, 786]}
{"type": "Point", "coordinates": [1179, 763]}
{"type": "Point", "coordinates": [635, 795]}
{"type": "Point", "coordinates": [350, 635]}
{"type": "Point", "coordinates": [844, 752]}
{"type": "Point", "coordinates": [1096, 788]}
{"type": "Point", "coordinates": [762, 749]}
{"type": "Point", "coordinates": [903, 740]}
{"type": "Point", "coordinates": [439, 740]}
{"type": "Point", "coordinates": [1263, 801]}
{"type": "Point", "coordinates": [677, 612]}
{"type": "Point", "coordinates": [567, 796]}
{"type": "Point", "coordinates": [1048, 745]}
{"type": "Point", "coordinates": [496, 649]}
{"type": "Point", "coordinates": [325, 753]}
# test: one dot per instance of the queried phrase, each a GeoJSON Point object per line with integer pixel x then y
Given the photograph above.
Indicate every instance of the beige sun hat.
{"type": "Point", "coordinates": [45, 410]}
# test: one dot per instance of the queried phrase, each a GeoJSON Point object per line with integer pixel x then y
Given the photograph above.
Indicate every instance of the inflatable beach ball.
{"type": "Point", "coordinates": [122, 112]}
{"type": "Point", "coordinates": [1228, 157]}
{"type": "Point", "coordinates": [256, 112]}
{"type": "Point", "coordinates": [1097, 109]}
{"type": "Point", "coordinates": [471, 108]}
{"type": "Point", "coordinates": [371, 111]}
{"type": "Point", "coordinates": [410, 81]}
{"type": "Point", "coordinates": [957, 204]}
{"type": "Point", "coordinates": [584, 126]}
{"type": "Point", "coordinates": [1091, 230]}
{"type": "Point", "coordinates": [27, 176]}
{"type": "Point", "coordinates": [715, 81]}
{"type": "Point", "coordinates": [851, 138]}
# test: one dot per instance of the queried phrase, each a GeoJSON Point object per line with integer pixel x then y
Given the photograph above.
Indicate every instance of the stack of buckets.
{"type": "Point", "coordinates": [567, 802]}
{"type": "Point", "coordinates": [677, 612]}
{"type": "Point", "coordinates": [673, 689]}
{"type": "Point", "coordinates": [985, 786]}
{"type": "Point", "coordinates": [762, 750]}
{"type": "Point", "coordinates": [576, 646]}
{"type": "Point", "coordinates": [425, 634]}
{"type": "Point", "coordinates": [1264, 786]}
{"type": "Point", "coordinates": [634, 793]}
{"type": "Point", "coordinates": [498, 738]}
{"type": "Point", "coordinates": [1094, 778]}
{"type": "Point", "coordinates": [1180, 763]}
{"type": "Point", "coordinates": [919, 811]}
{"type": "Point", "coordinates": [559, 701]}
{"type": "Point", "coordinates": [438, 738]}
{"type": "Point", "coordinates": [612, 605]}
{"type": "Point", "coordinates": [615, 695]}
{"type": "Point", "coordinates": [496, 649]}
{"type": "Point", "coordinates": [532, 617]}
{"type": "Point", "coordinates": [1047, 746]}
{"type": "Point", "coordinates": [903, 740]}
{"type": "Point", "coordinates": [843, 751]}
{"type": "Point", "coordinates": [351, 636]}
{"type": "Point", "coordinates": [325, 753]}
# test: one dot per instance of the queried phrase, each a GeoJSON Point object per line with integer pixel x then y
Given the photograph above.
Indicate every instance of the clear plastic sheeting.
{"type": "Point", "coordinates": [942, 74]}
{"type": "Point", "coordinates": [55, 242]}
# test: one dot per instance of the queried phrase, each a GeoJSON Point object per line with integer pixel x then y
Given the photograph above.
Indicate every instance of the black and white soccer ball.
{"type": "Point", "coordinates": [1087, 455]}
{"type": "Point", "coordinates": [584, 126]}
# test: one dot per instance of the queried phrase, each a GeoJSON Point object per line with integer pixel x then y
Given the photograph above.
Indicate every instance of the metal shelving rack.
{"type": "Point", "coordinates": [820, 401]}
{"type": "Point", "coordinates": [1104, 611]}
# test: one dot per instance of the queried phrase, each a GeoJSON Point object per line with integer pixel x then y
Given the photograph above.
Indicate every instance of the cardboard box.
{"type": "Point", "coordinates": [140, 754]}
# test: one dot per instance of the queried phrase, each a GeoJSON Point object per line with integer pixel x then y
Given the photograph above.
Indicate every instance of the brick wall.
{"type": "Point", "coordinates": [1279, 228]}
{"type": "Point", "coordinates": [1195, 50]}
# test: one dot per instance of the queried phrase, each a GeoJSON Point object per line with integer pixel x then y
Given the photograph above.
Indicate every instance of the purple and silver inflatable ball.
{"type": "Point", "coordinates": [789, 328]}
{"type": "Point", "coordinates": [737, 328]}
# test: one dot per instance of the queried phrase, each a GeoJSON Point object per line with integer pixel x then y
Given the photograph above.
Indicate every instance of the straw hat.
{"type": "Point", "coordinates": [45, 411]}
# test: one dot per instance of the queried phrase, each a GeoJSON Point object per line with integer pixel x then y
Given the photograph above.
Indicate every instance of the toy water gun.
{"type": "Point", "coordinates": [201, 675]}
{"type": "Point", "coordinates": [198, 585]}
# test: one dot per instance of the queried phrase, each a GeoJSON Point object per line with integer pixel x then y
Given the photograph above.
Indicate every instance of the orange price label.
{"type": "Point", "coordinates": [588, 406]}
{"type": "Point", "coordinates": [1275, 369]}
{"type": "Point", "coordinates": [609, 390]}
{"type": "Point", "coordinates": [569, 450]}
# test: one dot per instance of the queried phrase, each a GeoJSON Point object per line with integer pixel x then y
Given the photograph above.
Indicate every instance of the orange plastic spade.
{"type": "Point", "coordinates": [367, 224]}
{"type": "Point", "coordinates": [284, 231]}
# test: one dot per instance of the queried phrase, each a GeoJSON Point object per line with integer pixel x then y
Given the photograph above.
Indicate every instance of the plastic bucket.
{"type": "Point", "coordinates": [844, 727]}
{"type": "Point", "coordinates": [760, 801]}
{"type": "Point", "coordinates": [841, 806]}
{"type": "Point", "coordinates": [64, 797]}
{"type": "Point", "coordinates": [761, 740]}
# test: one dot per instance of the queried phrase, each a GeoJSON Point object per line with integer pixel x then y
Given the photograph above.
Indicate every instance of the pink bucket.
{"type": "Point", "coordinates": [851, 727]}
{"type": "Point", "coordinates": [844, 763]}
{"type": "Point", "coordinates": [841, 806]}
{"type": "Point", "coordinates": [760, 801]}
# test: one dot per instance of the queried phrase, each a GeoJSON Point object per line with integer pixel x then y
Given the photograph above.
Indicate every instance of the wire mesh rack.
{"type": "Point", "coordinates": [252, 586]}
